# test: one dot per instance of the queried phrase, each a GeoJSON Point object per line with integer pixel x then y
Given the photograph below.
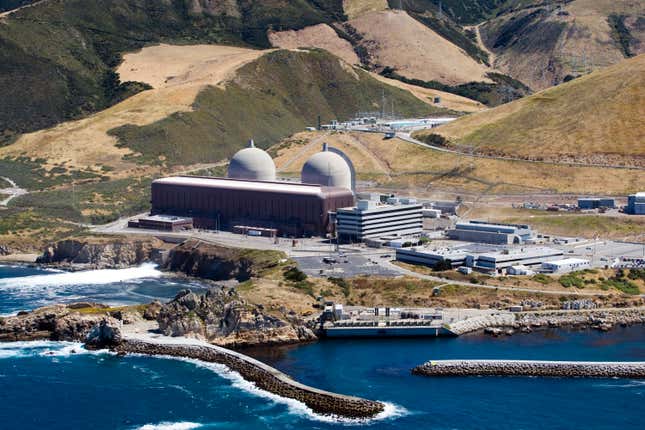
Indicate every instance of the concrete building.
{"type": "Point", "coordinates": [565, 265]}
{"type": "Point", "coordinates": [636, 204]}
{"type": "Point", "coordinates": [484, 232]}
{"type": "Point", "coordinates": [372, 220]}
{"type": "Point", "coordinates": [596, 203]}
{"type": "Point", "coordinates": [162, 222]}
{"type": "Point", "coordinates": [293, 209]}
{"type": "Point", "coordinates": [497, 262]}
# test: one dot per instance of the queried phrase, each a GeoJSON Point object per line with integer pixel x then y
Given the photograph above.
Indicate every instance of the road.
{"type": "Point", "coordinates": [408, 138]}
{"type": "Point", "coordinates": [13, 191]}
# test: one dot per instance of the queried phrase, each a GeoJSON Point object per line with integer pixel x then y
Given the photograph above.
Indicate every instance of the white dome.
{"type": "Point", "coordinates": [252, 163]}
{"type": "Point", "coordinates": [327, 168]}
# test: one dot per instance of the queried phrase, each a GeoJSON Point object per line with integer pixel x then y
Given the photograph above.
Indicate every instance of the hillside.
{"type": "Point", "coordinates": [57, 58]}
{"type": "Point", "coordinates": [597, 118]}
{"type": "Point", "coordinates": [549, 43]}
{"type": "Point", "coordinates": [206, 101]}
{"type": "Point", "coordinates": [402, 167]}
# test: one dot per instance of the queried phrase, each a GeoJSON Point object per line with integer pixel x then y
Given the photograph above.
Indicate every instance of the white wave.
{"type": "Point", "coordinates": [295, 407]}
{"type": "Point", "coordinates": [626, 384]}
{"type": "Point", "coordinates": [43, 348]}
{"type": "Point", "coordinates": [88, 277]}
{"type": "Point", "coordinates": [183, 425]}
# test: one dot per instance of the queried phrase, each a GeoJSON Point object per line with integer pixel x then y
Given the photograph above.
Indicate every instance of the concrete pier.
{"type": "Point", "coordinates": [578, 369]}
{"type": "Point", "coordinates": [262, 375]}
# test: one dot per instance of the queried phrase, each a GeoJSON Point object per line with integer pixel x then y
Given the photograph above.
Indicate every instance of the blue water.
{"type": "Point", "coordinates": [60, 386]}
{"type": "Point", "coordinates": [25, 288]}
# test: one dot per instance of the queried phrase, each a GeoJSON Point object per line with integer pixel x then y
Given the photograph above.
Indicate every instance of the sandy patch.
{"type": "Point", "coordinates": [317, 36]}
{"type": "Point", "coordinates": [396, 39]}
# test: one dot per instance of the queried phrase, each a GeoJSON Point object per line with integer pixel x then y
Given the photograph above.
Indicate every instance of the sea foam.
{"type": "Point", "coordinates": [43, 348]}
{"type": "Point", "coordinates": [295, 407]}
{"type": "Point", "coordinates": [89, 277]}
{"type": "Point", "coordinates": [183, 425]}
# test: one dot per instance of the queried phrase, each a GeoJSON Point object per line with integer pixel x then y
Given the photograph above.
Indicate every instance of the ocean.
{"type": "Point", "coordinates": [58, 385]}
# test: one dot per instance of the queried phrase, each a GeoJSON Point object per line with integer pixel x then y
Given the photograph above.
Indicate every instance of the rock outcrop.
{"type": "Point", "coordinates": [96, 253]}
{"type": "Point", "coordinates": [58, 322]}
{"type": "Point", "coordinates": [221, 317]}
{"type": "Point", "coordinates": [601, 319]}
{"type": "Point", "coordinates": [219, 263]}
{"type": "Point", "coordinates": [103, 335]}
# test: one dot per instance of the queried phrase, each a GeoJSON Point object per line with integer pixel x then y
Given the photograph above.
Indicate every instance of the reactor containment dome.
{"type": "Point", "coordinates": [253, 164]}
{"type": "Point", "coordinates": [327, 168]}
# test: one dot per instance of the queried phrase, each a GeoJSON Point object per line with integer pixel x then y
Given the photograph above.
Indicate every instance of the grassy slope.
{"type": "Point", "coordinates": [542, 46]}
{"type": "Point", "coordinates": [593, 118]}
{"type": "Point", "coordinates": [270, 98]}
{"type": "Point", "coordinates": [398, 165]}
{"type": "Point", "coordinates": [56, 58]}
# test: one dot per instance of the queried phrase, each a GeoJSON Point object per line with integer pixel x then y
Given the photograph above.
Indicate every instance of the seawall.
{"type": "Point", "coordinates": [262, 375]}
{"type": "Point", "coordinates": [635, 369]}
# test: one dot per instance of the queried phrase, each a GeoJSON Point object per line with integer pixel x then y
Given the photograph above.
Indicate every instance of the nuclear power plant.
{"type": "Point", "coordinates": [250, 198]}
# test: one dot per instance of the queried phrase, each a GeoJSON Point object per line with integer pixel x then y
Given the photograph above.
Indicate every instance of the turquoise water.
{"type": "Point", "coordinates": [60, 386]}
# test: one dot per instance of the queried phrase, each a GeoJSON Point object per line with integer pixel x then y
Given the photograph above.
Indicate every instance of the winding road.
{"type": "Point", "coordinates": [13, 191]}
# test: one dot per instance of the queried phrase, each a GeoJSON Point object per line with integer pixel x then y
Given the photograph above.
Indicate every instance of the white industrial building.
{"type": "Point", "coordinates": [565, 265]}
{"type": "Point", "coordinates": [371, 219]}
{"type": "Point", "coordinates": [487, 232]}
{"type": "Point", "coordinates": [496, 262]}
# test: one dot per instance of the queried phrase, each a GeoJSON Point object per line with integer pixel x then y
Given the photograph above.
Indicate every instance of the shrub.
{"type": "Point", "coordinates": [442, 265]}
{"type": "Point", "coordinates": [572, 280]}
{"type": "Point", "coordinates": [542, 279]}
{"type": "Point", "coordinates": [294, 274]}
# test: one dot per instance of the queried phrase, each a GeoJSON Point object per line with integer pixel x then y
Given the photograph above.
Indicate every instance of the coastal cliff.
{"type": "Point", "coordinates": [99, 253]}
{"type": "Point", "coordinates": [215, 262]}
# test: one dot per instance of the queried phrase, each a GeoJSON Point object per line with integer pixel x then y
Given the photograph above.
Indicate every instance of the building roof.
{"type": "Point", "coordinates": [327, 168]}
{"type": "Point", "coordinates": [566, 261]}
{"type": "Point", "coordinates": [242, 184]}
{"type": "Point", "coordinates": [252, 163]}
{"type": "Point", "coordinates": [524, 253]}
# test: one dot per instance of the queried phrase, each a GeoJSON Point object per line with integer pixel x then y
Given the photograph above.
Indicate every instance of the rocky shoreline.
{"type": "Point", "coordinates": [262, 375]}
{"type": "Point", "coordinates": [567, 369]}
{"type": "Point", "coordinates": [526, 322]}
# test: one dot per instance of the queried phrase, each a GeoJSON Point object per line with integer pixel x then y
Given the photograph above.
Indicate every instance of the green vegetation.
{"type": "Point", "coordinates": [572, 279]}
{"type": "Point", "coordinates": [294, 274]}
{"type": "Point", "coordinates": [504, 89]}
{"type": "Point", "coordinates": [272, 97]}
{"type": "Point", "coordinates": [542, 278]}
{"type": "Point", "coordinates": [95, 203]}
{"type": "Point", "coordinates": [57, 58]}
{"type": "Point", "coordinates": [434, 139]}
{"type": "Point", "coordinates": [30, 174]}
{"type": "Point", "coordinates": [442, 265]}
{"type": "Point", "coordinates": [621, 34]}
{"type": "Point", "coordinates": [460, 11]}
{"type": "Point", "coordinates": [343, 284]}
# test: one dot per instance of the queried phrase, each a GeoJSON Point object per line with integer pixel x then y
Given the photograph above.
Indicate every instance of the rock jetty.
{"type": "Point", "coordinates": [532, 368]}
{"type": "Point", "coordinates": [262, 375]}
{"type": "Point", "coordinates": [502, 322]}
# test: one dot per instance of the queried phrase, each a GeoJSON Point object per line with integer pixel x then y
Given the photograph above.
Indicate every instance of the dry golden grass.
{"type": "Point", "coordinates": [393, 163]}
{"type": "Point", "coordinates": [448, 100]}
{"type": "Point", "coordinates": [316, 36]}
{"type": "Point", "coordinates": [356, 8]}
{"type": "Point", "coordinates": [416, 51]}
{"type": "Point", "coordinates": [597, 118]}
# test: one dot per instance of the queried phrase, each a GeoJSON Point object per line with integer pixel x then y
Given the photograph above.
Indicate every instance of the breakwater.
{"type": "Point", "coordinates": [635, 369]}
{"type": "Point", "coordinates": [262, 375]}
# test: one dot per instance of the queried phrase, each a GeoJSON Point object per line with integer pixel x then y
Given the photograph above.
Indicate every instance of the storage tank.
{"type": "Point", "coordinates": [327, 168]}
